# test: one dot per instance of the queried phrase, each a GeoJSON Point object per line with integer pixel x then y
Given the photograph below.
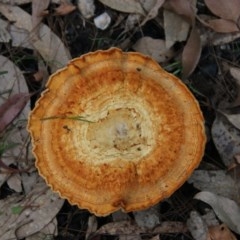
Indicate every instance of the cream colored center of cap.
{"type": "Point", "coordinates": [121, 133]}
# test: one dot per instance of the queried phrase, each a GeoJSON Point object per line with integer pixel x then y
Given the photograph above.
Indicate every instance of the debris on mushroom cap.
{"type": "Point", "coordinates": [113, 130]}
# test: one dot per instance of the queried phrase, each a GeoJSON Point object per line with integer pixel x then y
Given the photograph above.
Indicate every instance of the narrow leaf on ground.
{"type": "Point", "coordinates": [191, 53]}
{"type": "Point", "coordinates": [11, 108]}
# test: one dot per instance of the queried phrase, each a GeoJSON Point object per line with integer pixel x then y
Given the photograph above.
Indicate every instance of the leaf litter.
{"type": "Point", "coordinates": [23, 216]}
{"type": "Point", "coordinates": [185, 35]}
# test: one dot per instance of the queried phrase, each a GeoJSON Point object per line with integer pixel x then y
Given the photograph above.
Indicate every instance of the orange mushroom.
{"type": "Point", "coordinates": [113, 130]}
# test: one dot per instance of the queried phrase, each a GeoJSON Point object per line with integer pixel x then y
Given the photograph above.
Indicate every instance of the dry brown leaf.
{"type": "Point", "coordinates": [233, 116]}
{"type": "Point", "coordinates": [30, 178]}
{"type": "Point", "coordinates": [220, 232]}
{"type": "Point", "coordinates": [235, 72]}
{"type": "Point", "coordinates": [38, 7]}
{"type": "Point", "coordinates": [13, 82]}
{"type": "Point", "coordinates": [11, 108]}
{"type": "Point", "coordinates": [170, 227]}
{"type": "Point", "coordinates": [127, 6]}
{"type": "Point", "coordinates": [222, 38]}
{"type": "Point", "coordinates": [225, 209]}
{"type": "Point", "coordinates": [197, 226]}
{"type": "Point", "coordinates": [4, 33]}
{"type": "Point", "coordinates": [212, 37]}
{"type": "Point", "coordinates": [185, 8]}
{"type": "Point", "coordinates": [223, 25]}
{"type": "Point", "coordinates": [153, 12]}
{"type": "Point", "coordinates": [64, 8]}
{"type": "Point", "coordinates": [49, 45]}
{"type": "Point", "coordinates": [28, 214]}
{"type": "Point", "coordinates": [86, 7]}
{"type": "Point", "coordinates": [15, 182]}
{"type": "Point", "coordinates": [132, 20]}
{"type": "Point", "coordinates": [120, 228]}
{"type": "Point", "coordinates": [191, 53]}
{"type": "Point", "coordinates": [175, 27]}
{"type": "Point", "coordinates": [47, 233]}
{"type": "Point", "coordinates": [148, 4]}
{"type": "Point", "coordinates": [237, 158]}
{"type": "Point", "coordinates": [38, 76]}
{"type": "Point", "coordinates": [225, 9]}
{"type": "Point", "coordinates": [226, 139]}
{"type": "Point", "coordinates": [154, 48]}
{"type": "Point", "coordinates": [20, 37]}
{"type": "Point", "coordinates": [215, 181]}
{"type": "Point", "coordinates": [130, 228]}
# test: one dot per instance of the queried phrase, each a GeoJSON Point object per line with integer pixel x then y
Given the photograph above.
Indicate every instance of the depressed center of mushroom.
{"type": "Point", "coordinates": [122, 133]}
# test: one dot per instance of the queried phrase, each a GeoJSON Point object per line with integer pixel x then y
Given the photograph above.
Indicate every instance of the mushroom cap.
{"type": "Point", "coordinates": [113, 130]}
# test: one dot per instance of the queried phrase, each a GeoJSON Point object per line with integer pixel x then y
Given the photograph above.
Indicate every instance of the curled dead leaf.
{"type": "Point", "coordinates": [191, 53]}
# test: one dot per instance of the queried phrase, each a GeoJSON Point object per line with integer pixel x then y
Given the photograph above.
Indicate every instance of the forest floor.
{"type": "Point", "coordinates": [198, 41]}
